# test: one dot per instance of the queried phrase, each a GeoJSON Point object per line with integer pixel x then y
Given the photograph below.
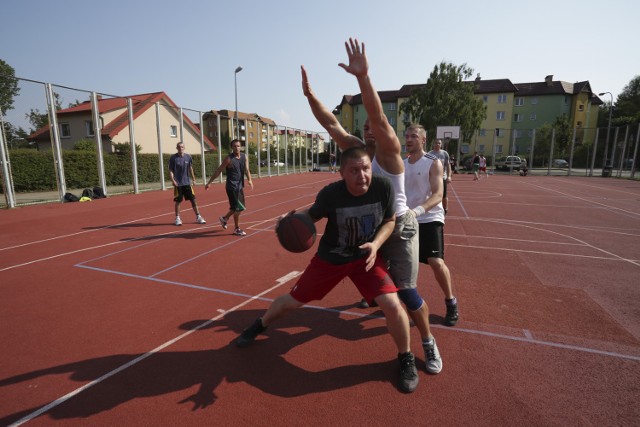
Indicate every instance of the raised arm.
{"type": "Point", "coordinates": [326, 118]}
{"type": "Point", "coordinates": [387, 142]}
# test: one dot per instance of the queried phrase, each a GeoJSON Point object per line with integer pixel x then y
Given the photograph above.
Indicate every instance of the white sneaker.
{"type": "Point", "coordinates": [239, 232]}
{"type": "Point", "coordinates": [223, 222]}
{"type": "Point", "coordinates": [432, 357]}
{"type": "Point", "coordinates": [178, 221]}
{"type": "Point", "coordinates": [200, 220]}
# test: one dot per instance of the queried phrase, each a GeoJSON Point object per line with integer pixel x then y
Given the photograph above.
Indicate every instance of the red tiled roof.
{"type": "Point", "coordinates": [140, 104]}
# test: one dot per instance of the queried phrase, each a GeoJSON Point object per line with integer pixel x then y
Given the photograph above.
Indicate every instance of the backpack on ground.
{"type": "Point", "coordinates": [98, 193]}
{"type": "Point", "coordinates": [70, 197]}
{"type": "Point", "coordinates": [88, 192]}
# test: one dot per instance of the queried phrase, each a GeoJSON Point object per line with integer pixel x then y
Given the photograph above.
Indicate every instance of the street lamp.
{"type": "Point", "coordinates": [235, 82]}
{"type": "Point", "coordinates": [606, 144]}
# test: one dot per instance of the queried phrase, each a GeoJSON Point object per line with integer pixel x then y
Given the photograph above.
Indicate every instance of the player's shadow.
{"type": "Point", "coordinates": [263, 366]}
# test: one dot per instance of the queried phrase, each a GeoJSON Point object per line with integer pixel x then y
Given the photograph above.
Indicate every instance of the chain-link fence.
{"type": "Point", "coordinates": [58, 141]}
{"type": "Point", "coordinates": [547, 150]}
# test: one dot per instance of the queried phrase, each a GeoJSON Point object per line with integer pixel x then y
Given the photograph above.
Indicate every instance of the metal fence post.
{"type": "Point", "coordinates": [132, 138]}
{"type": "Point", "coordinates": [55, 144]}
{"type": "Point", "coordinates": [97, 136]}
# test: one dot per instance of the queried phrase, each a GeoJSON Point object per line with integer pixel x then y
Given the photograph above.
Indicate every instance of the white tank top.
{"type": "Point", "coordinates": [419, 187]}
{"type": "Point", "coordinates": [398, 186]}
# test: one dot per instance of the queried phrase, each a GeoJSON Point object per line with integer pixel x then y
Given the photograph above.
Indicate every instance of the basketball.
{"type": "Point", "coordinates": [296, 232]}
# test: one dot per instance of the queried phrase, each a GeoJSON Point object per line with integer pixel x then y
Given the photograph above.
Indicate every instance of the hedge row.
{"type": "Point", "coordinates": [34, 170]}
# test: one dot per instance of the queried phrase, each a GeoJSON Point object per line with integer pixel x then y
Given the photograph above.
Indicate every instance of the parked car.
{"type": "Point", "coordinates": [277, 163]}
{"type": "Point", "coordinates": [508, 162]}
{"type": "Point", "coordinates": [560, 163]}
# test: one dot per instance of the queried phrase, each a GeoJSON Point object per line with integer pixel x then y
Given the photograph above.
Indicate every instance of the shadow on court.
{"type": "Point", "coordinates": [261, 365]}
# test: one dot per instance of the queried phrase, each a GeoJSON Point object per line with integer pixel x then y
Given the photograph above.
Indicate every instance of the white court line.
{"type": "Point", "coordinates": [466, 214]}
{"type": "Point", "coordinates": [64, 236]}
{"type": "Point", "coordinates": [138, 359]}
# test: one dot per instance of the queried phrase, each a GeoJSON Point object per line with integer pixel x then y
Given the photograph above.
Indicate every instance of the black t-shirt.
{"type": "Point", "coordinates": [235, 172]}
{"type": "Point", "coordinates": [351, 221]}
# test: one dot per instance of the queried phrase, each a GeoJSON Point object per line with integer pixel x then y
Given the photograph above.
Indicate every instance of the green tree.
{"type": "Point", "coordinates": [562, 140]}
{"type": "Point", "coordinates": [8, 86]}
{"type": "Point", "coordinates": [446, 100]}
{"type": "Point", "coordinates": [627, 107]}
{"type": "Point", "coordinates": [38, 119]}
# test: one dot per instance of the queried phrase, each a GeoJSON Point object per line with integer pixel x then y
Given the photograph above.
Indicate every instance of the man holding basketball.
{"type": "Point", "coordinates": [237, 166]}
{"type": "Point", "coordinates": [384, 149]}
{"type": "Point", "coordinates": [180, 169]}
{"type": "Point", "coordinates": [360, 216]}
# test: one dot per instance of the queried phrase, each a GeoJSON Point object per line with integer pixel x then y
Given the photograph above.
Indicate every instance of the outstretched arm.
{"type": "Point", "coordinates": [387, 143]}
{"type": "Point", "coordinates": [217, 173]}
{"type": "Point", "coordinates": [326, 118]}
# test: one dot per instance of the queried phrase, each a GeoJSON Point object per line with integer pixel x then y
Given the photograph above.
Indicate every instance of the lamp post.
{"type": "Point", "coordinates": [235, 83]}
{"type": "Point", "coordinates": [606, 144]}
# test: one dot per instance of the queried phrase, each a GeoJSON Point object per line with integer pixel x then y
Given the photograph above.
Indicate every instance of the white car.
{"type": "Point", "coordinates": [277, 163]}
{"type": "Point", "coordinates": [560, 163]}
{"type": "Point", "coordinates": [508, 162]}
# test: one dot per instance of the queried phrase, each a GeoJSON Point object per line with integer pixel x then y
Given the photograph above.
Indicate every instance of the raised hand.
{"type": "Point", "coordinates": [306, 87]}
{"type": "Point", "coordinates": [358, 65]}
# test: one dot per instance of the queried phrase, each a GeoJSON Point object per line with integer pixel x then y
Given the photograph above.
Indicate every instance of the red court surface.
{"type": "Point", "coordinates": [111, 315]}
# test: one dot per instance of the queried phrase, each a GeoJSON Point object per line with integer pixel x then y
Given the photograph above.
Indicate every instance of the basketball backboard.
{"type": "Point", "coordinates": [448, 132]}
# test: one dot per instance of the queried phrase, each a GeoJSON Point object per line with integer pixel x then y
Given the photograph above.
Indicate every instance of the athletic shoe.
{"type": "Point", "coordinates": [223, 222]}
{"type": "Point", "coordinates": [239, 232]}
{"type": "Point", "coordinates": [178, 221]}
{"type": "Point", "coordinates": [248, 336]}
{"type": "Point", "coordinates": [200, 220]}
{"type": "Point", "coordinates": [408, 372]}
{"type": "Point", "coordinates": [452, 313]}
{"type": "Point", "coordinates": [364, 304]}
{"type": "Point", "coordinates": [432, 357]}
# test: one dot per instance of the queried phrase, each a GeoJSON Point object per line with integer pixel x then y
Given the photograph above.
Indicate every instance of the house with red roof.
{"type": "Point", "coordinates": [149, 123]}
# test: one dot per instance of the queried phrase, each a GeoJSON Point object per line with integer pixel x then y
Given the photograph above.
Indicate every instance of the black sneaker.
{"type": "Point", "coordinates": [364, 304]}
{"type": "Point", "coordinates": [452, 313]}
{"type": "Point", "coordinates": [249, 335]}
{"type": "Point", "coordinates": [408, 372]}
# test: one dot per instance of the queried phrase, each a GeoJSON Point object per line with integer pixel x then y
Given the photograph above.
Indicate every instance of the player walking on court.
{"type": "Point", "coordinates": [446, 172]}
{"type": "Point", "coordinates": [424, 185]}
{"type": "Point", "coordinates": [180, 168]}
{"type": "Point", "coordinates": [383, 147]}
{"type": "Point", "coordinates": [237, 166]}
{"type": "Point", "coordinates": [360, 216]}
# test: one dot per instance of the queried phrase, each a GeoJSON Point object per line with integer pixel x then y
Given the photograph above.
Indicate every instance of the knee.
{"type": "Point", "coordinates": [411, 298]}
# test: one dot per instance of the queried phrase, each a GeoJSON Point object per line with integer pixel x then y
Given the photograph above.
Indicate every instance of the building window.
{"type": "Point", "coordinates": [517, 117]}
{"type": "Point", "coordinates": [173, 131]}
{"type": "Point", "coordinates": [579, 124]}
{"type": "Point", "coordinates": [499, 132]}
{"type": "Point", "coordinates": [481, 148]}
{"type": "Point", "coordinates": [517, 133]}
{"type": "Point", "coordinates": [392, 107]}
{"type": "Point", "coordinates": [498, 148]}
{"type": "Point", "coordinates": [519, 102]}
{"type": "Point", "coordinates": [65, 130]}
{"type": "Point", "coordinates": [530, 133]}
{"type": "Point", "coordinates": [581, 107]}
{"type": "Point", "coordinates": [88, 126]}
{"type": "Point", "coordinates": [502, 99]}
{"type": "Point", "coordinates": [500, 115]}
{"type": "Point", "coordinates": [485, 98]}
{"type": "Point", "coordinates": [482, 132]}
{"type": "Point", "coordinates": [534, 100]}
{"type": "Point", "coordinates": [392, 121]}
{"type": "Point", "coordinates": [533, 116]}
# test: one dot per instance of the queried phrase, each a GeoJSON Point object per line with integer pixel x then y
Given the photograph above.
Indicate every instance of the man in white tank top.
{"type": "Point", "coordinates": [424, 186]}
{"type": "Point", "coordinates": [383, 146]}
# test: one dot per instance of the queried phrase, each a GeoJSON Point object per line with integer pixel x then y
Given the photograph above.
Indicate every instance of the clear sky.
{"type": "Point", "coordinates": [190, 48]}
